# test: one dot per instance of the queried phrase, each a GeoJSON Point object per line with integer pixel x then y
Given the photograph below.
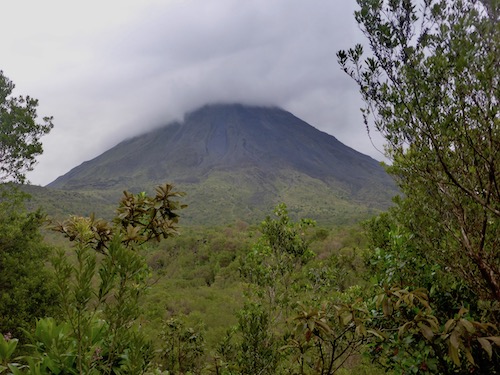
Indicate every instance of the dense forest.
{"type": "Point", "coordinates": [414, 290]}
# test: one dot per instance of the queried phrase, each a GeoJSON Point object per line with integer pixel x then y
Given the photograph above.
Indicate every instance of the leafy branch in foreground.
{"type": "Point", "coordinates": [408, 336]}
{"type": "Point", "coordinates": [100, 288]}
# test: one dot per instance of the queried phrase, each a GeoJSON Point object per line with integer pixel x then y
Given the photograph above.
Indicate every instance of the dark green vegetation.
{"type": "Point", "coordinates": [59, 204]}
{"type": "Point", "coordinates": [431, 87]}
{"type": "Point", "coordinates": [432, 91]}
{"type": "Point", "coordinates": [236, 162]}
{"type": "Point", "coordinates": [26, 287]}
{"type": "Point", "coordinates": [19, 133]}
{"type": "Point", "coordinates": [411, 291]}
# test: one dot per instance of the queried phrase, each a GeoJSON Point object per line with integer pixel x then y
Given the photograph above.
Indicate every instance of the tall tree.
{"type": "Point", "coordinates": [26, 286]}
{"type": "Point", "coordinates": [26, 290]}
{"type": "Point", "coordinates": [19, 133]}
{"type": "Point", "coordinates": [431, 89]}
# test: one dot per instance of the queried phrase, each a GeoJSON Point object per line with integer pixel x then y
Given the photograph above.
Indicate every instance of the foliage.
{"type": "Point", "coordinates": [316, 335]}
{"type": "Point", "coordinates": [7, 347]}
{"type": "Point", "coordinates": [100, 290]}
{"type": "Point", "coordinates": [258, 350]}
{"type": "Point", "coordinates": [410, 337]}
{"type": "Point", "coordinates": [324, 339]}
{"type": "Point", "coordinates": [425, 318]}
{"type": "Point", "coordinates": [179, 287]}
{"type": "Point", "coordinates": [19, 133]}
{"type": "Point", "coordinates": [26, 287]}
{"type": "Point", "coordinates": [431, 87]}
{"type": "Point", "coordinates": [182, 347]}
{"type": "Point", "coordinates": [272, 267]}
{"type": "Point", "coordinates": [274, 263]}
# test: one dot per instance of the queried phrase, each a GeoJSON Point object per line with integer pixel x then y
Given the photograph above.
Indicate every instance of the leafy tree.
{"type": "Point", "coordinates": [19, 133]}
{"type": "Point", "coordinates": [425, 319]}
{"type": "Point", "coordinates": [182, 347]}
{"type": "Point", "coordinates": [273, 268]}
{"type": "Point", "coordinates": [324, 338]}
{"type": "Point", "coordinates": [100, 288]}
{"type": "Point", "coordinates": [296, 321]}
{"type": "Point", "coordinates": [412, 335]}
{"type": "Point", "coordinates": [431, 88]}
{"type": "Point", "coordinates": [396, 262]}
{"type": "Point", "coordinates": [26, 286]}
{"type": "Point", "coordinates": [258, 351]}
{"type": "Point", "coordinates": [274, 264]}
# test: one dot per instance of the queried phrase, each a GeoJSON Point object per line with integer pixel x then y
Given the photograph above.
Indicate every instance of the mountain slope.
{"type": "Point", "coordinates": [239, 161]}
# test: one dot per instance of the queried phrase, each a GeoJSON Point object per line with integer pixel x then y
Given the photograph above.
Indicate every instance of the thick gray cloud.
{"type": "Point", "coordinates": [107, 70]}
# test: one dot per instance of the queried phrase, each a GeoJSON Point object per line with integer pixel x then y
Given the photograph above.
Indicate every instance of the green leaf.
{"type": "Point", "coordinates": [486, 345]}
{"type": "Point", "coordinates": [426, 331]}
{"type": "Point", "coordinates": [404, 328]}
{"type": "Point", "coordinates": [346, 318]}
{"type": "Point", "coordinates": [453, 353]}
{"type": "Point", "coordinates": [14, 369]}
{"type": "Point", "coordinates": [495, 339]}
{"type": "Point", "coordinates": [469, 357]}
{"type": "Point", "coordinates": [387, 307]}
{"type": "Point", "coordinates": [376, 333]}
{"type": "Point", "coordinates": [7, 348]}
{"type": "Point", "coordinates": [455, 339]}
{"type": "Point", "coordinates": [448, 325]}
{"type": "Point", "coordinates": [324, 326]}
{"type": "Point", "coordinates": [360, 330]}
{"type": "Point", "coordinates": [467, 325]}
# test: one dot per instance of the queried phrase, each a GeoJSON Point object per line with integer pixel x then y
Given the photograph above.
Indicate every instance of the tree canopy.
{"type": "Point", "coordinates": [20, 133]}
{"type": "Point", "coordinates": [26, 289]}
{"type": "Point", "coordinates": [431, 89]}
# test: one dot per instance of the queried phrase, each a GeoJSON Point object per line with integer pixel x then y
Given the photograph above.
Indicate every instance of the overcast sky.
{"type": "Point", "coordinates": [107, 70]}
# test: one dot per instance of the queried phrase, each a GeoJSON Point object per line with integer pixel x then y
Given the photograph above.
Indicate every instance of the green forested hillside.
{"type": "Point", "coordinates": [59, 204]}
{"type": "Point", "coordinates": [225, 197]}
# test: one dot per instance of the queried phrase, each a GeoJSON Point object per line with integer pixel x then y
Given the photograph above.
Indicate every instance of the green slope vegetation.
{"type": "Point", "coordinates": [224, 197]}
{"type": "Point", "coordinates": [59, 204]}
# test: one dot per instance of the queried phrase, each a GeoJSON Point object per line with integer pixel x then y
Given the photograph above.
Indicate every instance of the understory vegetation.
{"type": "Point", "coordinates": [280, 297]}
